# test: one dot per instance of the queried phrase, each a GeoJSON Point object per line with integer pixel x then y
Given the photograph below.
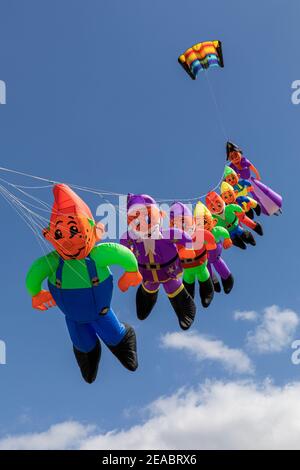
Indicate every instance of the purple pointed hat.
{"type": "Point", "coordinates": [178, 209]}
{"type": "Point", "coordinates": [139, 200]}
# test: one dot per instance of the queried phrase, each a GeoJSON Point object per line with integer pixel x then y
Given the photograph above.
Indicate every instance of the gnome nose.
{"type": "Point", "coordinates": [67, 245]}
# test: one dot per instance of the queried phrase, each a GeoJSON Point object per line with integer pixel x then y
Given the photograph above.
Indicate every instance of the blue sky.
{"type": "Point", "coordinates": [95, 97]}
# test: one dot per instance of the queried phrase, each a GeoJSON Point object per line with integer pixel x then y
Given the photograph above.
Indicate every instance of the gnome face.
{"type": "Point", "coordinates": [235, 157]}
{"type": "Point", "coordinates": [145, 221]}
{"type": "Point", "coordinates": [72, 230]}
{"type": "Point", "coordinates": [215, 203]}
{"type": "Point", "coordinates": [228, 197]}
{"type": "Point", "coordinates": [184, 222]}
{"type": "Point", "coordinates": [232, 179]}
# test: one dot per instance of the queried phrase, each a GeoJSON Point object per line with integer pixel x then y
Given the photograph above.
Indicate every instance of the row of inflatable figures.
{"type": "Point", "coordinates": [185, 257]}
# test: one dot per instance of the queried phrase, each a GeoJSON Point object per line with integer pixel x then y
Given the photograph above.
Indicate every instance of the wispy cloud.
{"type": "Point", "coordinates": [217, 415]}
{"type": "Point", "coordinates": [66, 435]}
{"type": "Point", "coordinates": [275, 331]}
{"type": "Point", "coordinates": [248, 315]}
{"type": "Point", "coordinates": [205, 348]}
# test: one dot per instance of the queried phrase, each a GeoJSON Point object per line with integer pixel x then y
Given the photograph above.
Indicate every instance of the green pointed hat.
{"type": "Point", "coordinates": [228, 171]}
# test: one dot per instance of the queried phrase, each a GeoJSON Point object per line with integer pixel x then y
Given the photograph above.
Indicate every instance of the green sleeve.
{"type": "Point", "coordinates": [236, 208]}
{"type": "Point", "coordinates": [107, 254]}
{"type": "Point", "coordinates": [219, 233]}
{"type": "Point", "coordinates": [40, 270]}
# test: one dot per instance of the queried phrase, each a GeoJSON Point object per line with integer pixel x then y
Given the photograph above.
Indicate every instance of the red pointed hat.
{"type": "Point", "coordinates": [67, 202]}
{"type": "Point", "coordinates": [211, 196]}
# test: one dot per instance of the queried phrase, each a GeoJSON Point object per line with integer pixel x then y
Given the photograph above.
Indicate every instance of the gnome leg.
{"type": "Point", "coordinates": [237, 241]}
{"type": "Point", "coordinates": [206, 286]}
{"type": "Point", "coordinates": [88, 362]}
{"type": "Point", "coordinates": [126, 349]}
{"type": "Point", "coordinates": [86, 347]}
{"type": "Point", "coordinates": [181, 302]}
{"type": "Point", "coordinates": [248, 238]}
{"type": "Point", "coordinates": [225, 274]}
{"type": "Point", "coordinates": [146, 298]}
{"type": "Point", "coordinates": [257, 209]}
{"type": "Point", "coordinates": [250, 214]}
{"type": "Point", "coordinates": [217, 285]}
{"type": "Point", "coordinates": [189, 281]}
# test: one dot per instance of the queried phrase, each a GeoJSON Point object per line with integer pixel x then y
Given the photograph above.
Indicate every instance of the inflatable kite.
{"type": "Point", "coordinates": [222, 238]}
{"type": "Point", "coordinates": [194, 262]}
{"type": "Point", "coordinates": [80, 283]}
{"type": "Point", "coordinates": [231, 216]}
{"type": "Point", "coordinates": [269, 201]}
{"type": "Point", "coordinates": [242, 189]}
{"type": "Point", "coordinates": [201, 56]}
{"type": "Point", "coordinates": [158, 260]}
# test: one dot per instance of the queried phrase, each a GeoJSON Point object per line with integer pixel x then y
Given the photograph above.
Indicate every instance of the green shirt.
{"type": "Point", "coordinates": [220, 233]}
{"type": "Point", "coordinates": [75, 274]}
{"type": "Point", "coordinates": [228, 219]}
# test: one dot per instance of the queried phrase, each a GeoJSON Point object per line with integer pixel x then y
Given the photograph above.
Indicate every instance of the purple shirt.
{"type": "Point", "coordinates": [244, 171]}
{"type": "Point", "coordinates": [164, 252]}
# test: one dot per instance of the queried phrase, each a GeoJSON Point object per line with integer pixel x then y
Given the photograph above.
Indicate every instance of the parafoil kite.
{"type": "Point", "coordinates": [80, 283]}
{"type": "Point", "coordinates": [201, 56]}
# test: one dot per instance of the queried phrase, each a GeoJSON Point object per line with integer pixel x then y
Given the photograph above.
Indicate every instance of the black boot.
{"type": "Point", "coordinates": [185, 309]}
{"type": "Point", "coordinates": [88, 362]}
{"type": "Point", "coordinates": [217, 285]}
{"type": "Point", "coordinates": [237, 241]}
{"type": "Point", "coordinates": [250, 214]}
{"type": "Point", "coordinates": [227, 283]}
{"type": "Point", "coordinates": [257, 210]}
{"type": "Point", "coordinates": [258, 229]}
{"type": "Point", "coordinates": [126, 351]}
{"type": "Point", "coordinates": [247, 237]}
{"type": "Point", "coordinates": [190, 288]}
{"type": "Point", "coordinates": [145, 302]}
{"type": "Point", "coordinates": [206, 292]}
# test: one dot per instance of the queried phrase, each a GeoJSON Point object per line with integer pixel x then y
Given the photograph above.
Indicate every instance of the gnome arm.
{"type": "Point", "coordinates": [40, 270]}
{"type": "Point", "coordinates": [107, 254]}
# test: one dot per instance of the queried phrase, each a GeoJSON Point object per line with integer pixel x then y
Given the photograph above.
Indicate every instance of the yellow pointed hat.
{"type": "Point", "coordinates": [201, 210]}
{"type": "Point", "coordinates": [226, 187]}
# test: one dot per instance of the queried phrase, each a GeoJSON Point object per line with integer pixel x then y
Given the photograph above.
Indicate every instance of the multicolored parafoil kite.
{"type": "Point", "coordinates": [201, 56]}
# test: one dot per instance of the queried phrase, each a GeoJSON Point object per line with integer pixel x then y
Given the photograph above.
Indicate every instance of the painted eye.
{"type": "Point", "coordinates": [73, 230]}
{"type": "Point", "coordinates": [57, 234]}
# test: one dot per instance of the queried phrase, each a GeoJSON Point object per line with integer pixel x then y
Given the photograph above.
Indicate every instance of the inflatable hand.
{"type": "Point", "coordinates": [227, 243]}
{"type": "Point", "coordinates": [43, 300]}
{"type": "Point", "coordinates": [185, 253]}
{"type": "Point", "coordinates": [129, 280]}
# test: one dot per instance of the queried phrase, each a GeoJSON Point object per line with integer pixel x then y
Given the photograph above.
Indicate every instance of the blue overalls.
{"type": "Point", "coordinates": [87, 310]}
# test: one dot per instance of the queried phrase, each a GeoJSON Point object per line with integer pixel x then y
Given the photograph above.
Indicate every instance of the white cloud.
{"type": "Point", "coordinates": [67, 435]}
{"type": "Point", "coordinates": [204, 348]}
{"type": "Point", "coordinates": [248, 315]}
{"type": "Point", "coordinates": [275, 331]}
{"type": "Point", "coordinates": [217, 415]}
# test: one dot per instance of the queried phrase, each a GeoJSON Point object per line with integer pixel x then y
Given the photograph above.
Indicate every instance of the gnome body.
{"type": "Point", "coordinates": [81, 285]}
{"type": "Point", "coordinates": [269, 201]}
{"type": "Point", "coordinates": [228, 195]}
{"type": "Point", "coordinates": [194, 262]}
{"type": "Point", "coordinates": [204, 218]}
{"type": "Point", "coordinates": [158, 259]}
{"type": "Point", "coordinates": [231, 217]}
{"type": "Point", "coordinates": [242, 189]}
